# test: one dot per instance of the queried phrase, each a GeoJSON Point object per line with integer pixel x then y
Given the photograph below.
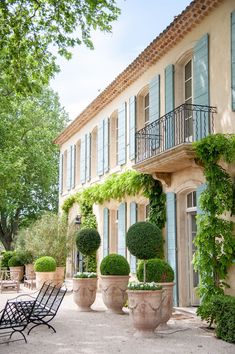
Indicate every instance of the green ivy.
{"type": "Point", "coordinates": [117, 187]}
{"type": "Point", "coordinates": [215, 241]}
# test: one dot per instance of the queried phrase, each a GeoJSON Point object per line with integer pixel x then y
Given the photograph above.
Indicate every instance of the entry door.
{"type": "Point", "coordinates": [193, 276]}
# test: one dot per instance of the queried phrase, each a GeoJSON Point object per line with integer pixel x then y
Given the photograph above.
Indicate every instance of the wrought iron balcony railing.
{"type": "Point", "coordinates": [185, 124]}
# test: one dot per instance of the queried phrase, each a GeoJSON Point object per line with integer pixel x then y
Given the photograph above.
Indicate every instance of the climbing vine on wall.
{"type": "Point", "coordinates": [215, 241]}
{"type": "Point", "coordinates": [118, 186]}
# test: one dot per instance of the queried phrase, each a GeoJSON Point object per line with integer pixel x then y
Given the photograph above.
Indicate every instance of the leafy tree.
{"type": "Point", "coordinates": [28, 160]}
{"type": "Point", "coordinates": [31, 31]}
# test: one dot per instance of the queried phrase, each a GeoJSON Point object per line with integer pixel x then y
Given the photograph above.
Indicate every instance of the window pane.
{"type": "Point", "coordinates": [146, 115]}
{"type": "Point", "coordinates": [146, 101]}
{"type": "Point", "coordinates": [189, 200]}
{"type": "Point", "coordinates": [188, 89]}
{"type": "Point", "coordinates": [188, 70]}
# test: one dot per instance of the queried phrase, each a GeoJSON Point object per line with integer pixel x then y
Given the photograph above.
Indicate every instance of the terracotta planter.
{"type": "Point", "coordinates": [59, 275]}
{"type": "Point", "coordinates": [20, 270]}
{"type": "Point", "coordinates": [145, 310]}
{"type": "Point", "coordinates": [167, 304]}
{"type": "Point", "coordinates": [29, 269]}
{"type": "Point", "coordinates": [42, 277]}
{"type": "Point", "coordinates": [114, 294]}
{"type": "Point", "coordinates": [84, 293]}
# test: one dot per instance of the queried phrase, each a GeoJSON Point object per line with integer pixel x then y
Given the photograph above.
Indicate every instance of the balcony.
{"type": "Point", "coordinates": [165, 145]}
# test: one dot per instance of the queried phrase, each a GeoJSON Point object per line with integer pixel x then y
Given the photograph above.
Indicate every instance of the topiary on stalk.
{"type": "Point", "coordinates": [144, 240]}
{"type": "Point", "coordinates": [88, 241]}
{"type": "Point", "coordinates": [157, 270]}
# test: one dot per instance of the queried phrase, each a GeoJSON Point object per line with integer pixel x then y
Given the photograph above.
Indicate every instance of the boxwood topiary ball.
{"type": "Point", "coordinates": [15, 261]}
{"type": "Point", "coordinates": [114, 264]}
{"type": "Point", "coordinates": [88, 241]}
{"type": "Point", "coordinates": [45, 264]}
{"type": "Point", "coordinates": [144, 240]}
{"type": "Point", "coordinates": [157, 270]}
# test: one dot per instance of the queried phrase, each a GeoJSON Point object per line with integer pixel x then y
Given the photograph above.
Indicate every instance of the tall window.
{"type": "Point", "coordinates": [188, 100]}
{"type": "Point", "coordinates": [146, 109]}
{"type": "Point", "coordinates": [116, 139]}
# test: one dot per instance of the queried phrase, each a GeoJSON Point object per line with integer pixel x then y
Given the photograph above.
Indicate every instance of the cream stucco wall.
{"type": "Point", "coordinates": [217, 25]}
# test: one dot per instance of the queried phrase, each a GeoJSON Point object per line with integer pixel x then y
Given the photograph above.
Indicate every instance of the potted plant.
{"type": "Point", "coordinates": [159, 271]}
{"type": "Point", "coordinates": [85, 283]}
{"type": "Point", "coordinates": [144, 240]}
{"type": "Point", "coordinates": [114, 270]}
{"type": "Point", "coordinates": [45, 270]}
{"type": "Point", "coordinates": [16, 264]}
{"type": "Point", "coordinates": [6, 255]}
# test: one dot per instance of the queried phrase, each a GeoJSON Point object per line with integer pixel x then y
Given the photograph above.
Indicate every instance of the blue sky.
{"type": "Point", "coordinates": [89, 71]}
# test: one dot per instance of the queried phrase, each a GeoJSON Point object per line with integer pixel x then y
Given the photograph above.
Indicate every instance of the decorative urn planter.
{"type": "Point", "coordinates": [84, 293]}
{"type": "Point", "coordinates": [59, 275]}
{"type": "Point", "coordinates": [167, 304]}
{"type": "Point", "coordinates": [145, 310]}
{"type": "Point", "coordinates": [114, 293]}
{"type": "Point", "coordinates": [42, 277]}
{"type": "Point", "coordinates": [18, 269]}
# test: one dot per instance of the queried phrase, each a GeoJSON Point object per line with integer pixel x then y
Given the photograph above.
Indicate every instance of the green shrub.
{"type": "Point", "coordinates": [114, 264]}
{"type": "Point", "coordinates": [224, 310]}
{"type": "Point", "coordinates": [5, 258]}
{"type": "Point", "coordinates": [88, 241]}
{"type": "Point", "coordinates": [157, 271]}
{"type": "Point", "coordinates": [26, 256]}
{"type": "Point", "coordinates": [15, 261]}
{"type": "Point", "coordinates": [144, 240]}
{"type": "Point", "coordinates": [45, 264]}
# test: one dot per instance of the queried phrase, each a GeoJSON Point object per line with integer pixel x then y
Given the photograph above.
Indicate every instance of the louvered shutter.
{"type": "Point", "coordinates": [61, 173]}
{"type": "Point", "coordinates": [132, 126]}
{"type": "Point", "coordinates": [100, 149]}
{"type": "Point", "coordinates": [106, 145]}
{"type": "Point", "coordinates": [233, 58]}
{"type": "Point", "coordinates": [83, 160]}
{"type": "Point", "coordinates": [133, 220]}
{"type": "Point", "coordinates": [154, 111]}
{"type": "Point", "coordinates": [201, 86]}
{"type": "Point", "coordinates": [199, 191]}
{"type": "Point", "coordinates": [105, 232]}
{"type": "Point", "coordinates": [73, 165]}
{"type": "Point", "coordinates": [122, 134]}
{"type": "Point", "coordinates": [122, 229]}
{"type": "Point", "coordinates": [69, 166]}
{"type": "Point", "coordinates": [171, 238]}
{"type": "Point", "coordinates": [88, 157]}
{"type": "Point", "coordinates": [169, 106]}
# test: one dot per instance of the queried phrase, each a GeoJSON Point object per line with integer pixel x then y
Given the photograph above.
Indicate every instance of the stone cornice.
{"type": "Point", "coordinates": [193, 14]}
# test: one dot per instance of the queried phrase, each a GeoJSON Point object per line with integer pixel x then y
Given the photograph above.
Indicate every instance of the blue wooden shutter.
{"type": "Point", "coordinates": [83, 160]}
{"type": "Point", "coordinates": [122, 134]}
{"type": "Point", "coordinates": [61, 177]}
{"type": "Point", "coordinates": [154, 110]}
{"type": "Point", "coordinates": [106, 145]}
{"type": "Point", "coordinates": [69, 166]}
{"type": "Point", "coordinates": [88, 157]}
{"type": "Point", "coordinates": [201, 86]}
{"type": "Point", "coordinates": [122, 229]}
{"type": "Point", "coordinates": [199, 190]}
{"type": "Point", "coordinates": [154, 99]}
{"type": "Point", "coordinates": [133, 220]}
{"type": "Point", "coordinates": [132, 126]}
{"type": "Point", "coordinates": [105, 232]}
{"type": "Point", "coordinates": [100, 149]}
{"type": "Point", "coordinates": [233, 58]}
{"type": "Point", "coordinates": [169, 106]}
{"type": "Point", "coordinates": [171, 237]}
{"type": "Point", "coordinates": [73, 165]}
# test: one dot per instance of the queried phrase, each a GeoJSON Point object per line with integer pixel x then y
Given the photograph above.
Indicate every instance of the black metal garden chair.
{"type": "Point", "coordinates": [26, 309]}
{"type": "Point", "coordinates": [14, 318]}
{"type": "Point", "coordinates": [45, 306]}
